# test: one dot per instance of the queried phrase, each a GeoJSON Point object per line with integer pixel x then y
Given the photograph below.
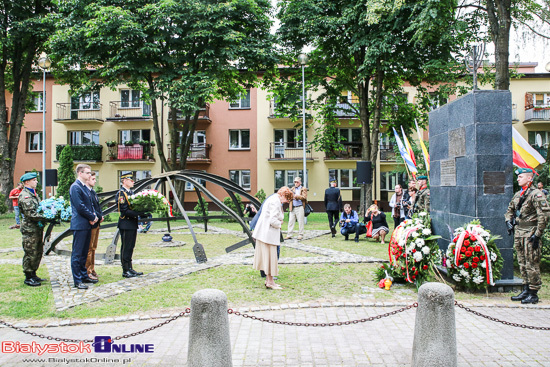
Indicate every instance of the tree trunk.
{"type": "Point", "coordinates": [366, 189]}
{"type": "Point", "coordinates": [500, 20]}
{"type": "Point", "coordinates": [377, 116]}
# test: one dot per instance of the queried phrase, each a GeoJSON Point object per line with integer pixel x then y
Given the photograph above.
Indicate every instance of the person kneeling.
{"type": "Point", "coordinates": [349, 221]}
{"type": "Point", "coordinates": [379, 225]}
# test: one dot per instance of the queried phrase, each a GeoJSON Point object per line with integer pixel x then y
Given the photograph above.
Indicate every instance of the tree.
{"type": "Point", "coordinates": [184, 53]}
{"type": "Point", "coordinates": [24, 30]}
{"type": "Point", "coordinates": [66, 172]}
{"type": "Point", "coordinates": [367, 48]}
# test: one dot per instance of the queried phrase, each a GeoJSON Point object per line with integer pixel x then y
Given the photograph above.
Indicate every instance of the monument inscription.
{"type": "Point", "coordinates": [457, 143]}
{"type": "Point", "coordinates": [448, 172]}
{"type": "Point", "coordinates": [493, 183]}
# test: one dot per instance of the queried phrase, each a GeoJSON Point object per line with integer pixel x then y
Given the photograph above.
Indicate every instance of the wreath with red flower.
{"type": "Point", "coordinates": [473, 258]}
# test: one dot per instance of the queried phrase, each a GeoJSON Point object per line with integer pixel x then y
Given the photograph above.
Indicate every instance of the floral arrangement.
{"type": "Point", "coordinates": [473, 259]}
{"type": "Point", "coordinates": [151, 201]}
{"type": "Point", "coordinates": [54, 210]}
{"type": "Point", "coordinates": [413, 249]}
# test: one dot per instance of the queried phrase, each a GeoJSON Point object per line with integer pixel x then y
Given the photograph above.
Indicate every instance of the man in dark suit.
{"type": "Point", "coordinates": [83, 217]}
{"type": "Point", "coordinates": [127, 225]}
{"type": "Point", "coordinates": [333, 205]}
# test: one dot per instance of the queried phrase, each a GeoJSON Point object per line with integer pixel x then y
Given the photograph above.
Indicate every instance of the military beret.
{"type": "Point", "coordinates": [422, 178]}
{"type": "Point", "coordinates": [519, 171]}
{"type": "Point", "coordinates": [28, 176]}
{"type": "Point", "coordinates": [127, 175]}
{"type": "Point", "coordinates": [333, 180]}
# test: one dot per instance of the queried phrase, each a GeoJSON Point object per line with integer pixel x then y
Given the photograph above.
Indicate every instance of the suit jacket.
{"type": "Point", "coordinates": [128, 218]}
{"type": "Point", "coordinates": [81, 205]}
{"type": "Point", "coordinates": [268, 227]}
{"type": "Point", "coordinates": [97, 208]}
{"type": "Point", "coordinates": [333, 199]}
{"type": "Point", "coordinates": [302, 196]}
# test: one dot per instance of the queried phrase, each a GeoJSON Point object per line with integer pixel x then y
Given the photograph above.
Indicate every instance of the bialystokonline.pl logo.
{"type": "Point", "coordinates": [101, 344]}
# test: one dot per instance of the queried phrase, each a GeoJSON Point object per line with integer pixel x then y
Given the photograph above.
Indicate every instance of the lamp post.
{"type": "Point", "coordinates": [44, 62]}
{"type": "Point", "coordinates": [302, 59]}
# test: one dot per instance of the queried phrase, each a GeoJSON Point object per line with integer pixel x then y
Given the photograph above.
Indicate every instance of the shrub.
{"type": "Point", "coordinates": [231, 205]}
{"type": "Point", "coordinates": [199, 209]}
{"type": "Point", "coordinates": [66, 172]}
{"type": "Point", "coordinates": [260, 195]}
{"type": "Point", "coordinates": [3, 205]}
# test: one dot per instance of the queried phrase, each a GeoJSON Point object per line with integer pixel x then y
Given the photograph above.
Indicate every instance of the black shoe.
{"type": "Point", "coordinates": [356, 239]}
{"type": "Point", "coordinates": [333, 231]}
{"type": "Point", "coordinates": [333, 235]}
{"type": "Point", "coordinates": [31, 282]}
{"type": "Point", "coordinates": [136, 273]}
{"type": "Point", "coordinates": [128, 274]}
{"type": "Point", "coordinates": [522, 295]}
{"type": "Point", "coordinates": [81, 286]}
{"type": "Point", "coordinates": [38, 279]}
{"type": "Point", "coordinates": [89, 280]}
{"type": "Point", "coordinates": [531, 298]}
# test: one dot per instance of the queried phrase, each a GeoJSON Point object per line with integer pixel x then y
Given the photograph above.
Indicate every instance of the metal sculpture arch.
{"type": "Point", "coordinates": [168, 178]}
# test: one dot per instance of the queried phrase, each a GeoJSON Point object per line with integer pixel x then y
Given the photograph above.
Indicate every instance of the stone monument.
{"type": "Point", "coordinates": [471, 169]}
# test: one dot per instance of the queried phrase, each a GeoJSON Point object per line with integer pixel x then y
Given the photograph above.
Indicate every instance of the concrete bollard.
{"type": "Point", "coordinates": [435, 329]}
{"type": "Point", "coordinates": [209, 343]}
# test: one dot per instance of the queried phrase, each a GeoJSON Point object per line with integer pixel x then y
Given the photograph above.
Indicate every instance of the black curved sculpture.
{"type": "Point", "coordinates": [168, 178]}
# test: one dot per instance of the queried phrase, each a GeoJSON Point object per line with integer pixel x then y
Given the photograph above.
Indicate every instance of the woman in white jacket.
{"type": "Point", "coordinates": [268, 235]}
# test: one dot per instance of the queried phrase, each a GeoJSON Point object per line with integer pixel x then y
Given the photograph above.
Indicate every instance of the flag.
{"type": "Point", "coordinates": [408, 146]}
{"type": "Point", "coordinates": [424, 150]}
{"type": "Point", "coordinates": [524, 156]}
{"type": "Point", "coordinates": [404, 154]}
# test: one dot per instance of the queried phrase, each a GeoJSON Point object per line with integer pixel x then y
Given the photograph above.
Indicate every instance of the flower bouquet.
{"type": "Point", "coordinates": [473, 259]}
{"type": "Point", "coordinates": [413, 249]}
{"type": "Point", "coordinates": [54, 210]}
{"type": "Point", "coordinates": [151, 201]}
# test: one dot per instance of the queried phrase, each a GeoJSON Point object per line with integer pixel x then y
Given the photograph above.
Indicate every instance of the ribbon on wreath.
{"type": "Point", "coordinates": [473, 232]}
{"type": "Point", "coordinates": [394, 242]}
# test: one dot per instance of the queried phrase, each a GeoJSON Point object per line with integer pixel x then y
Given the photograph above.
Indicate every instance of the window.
{"type": "Point", "coordinates": [137, 175]}
{"type": "Point", "coordinates": [288, 137]}
{"type": "Point", "coordinates": [130, 98]}
{"type": "Point", "coordinates": [286, 177]}
{"type": "Point", "coordinates": [542, 99]}
{"type": "Point", "coordinates": [436, 101]}
{"type": "Point", "coordinates": [239, 139]}
{"type": "Point", "coordinates": [199, 137]}
{"type": "Point", "coordinates": [347, 178]}
{"type": "Point", "coordinates": [242, 102]}
{"type": "Point", "coordinates": [83, 137]}
{"type": "Point", "coordinates": [350, 135]}
{"type": "Point", "coordinates": [388, 180]}
{"type": "Point", "coordinates": [241, 178]}
{"type": "Point", "coordinates": [190, 187]}
{"type": "Point", "coordinates": [545, 138]}
{"type": "Point", "coordinates": [134, 135]}
{"type": "Point", "coordinates": [38, 101]}
{"type": "Point", "coordinates": [34, 142]}
{"type": "Point", "coordinates": [87, 101]}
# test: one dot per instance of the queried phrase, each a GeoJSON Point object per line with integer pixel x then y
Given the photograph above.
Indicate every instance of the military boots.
{"type": "Point", "coordinates": [522, 295]}
{"type": "Point", "coordinates": [30, 281]}
{"type": "Point", "coordinates": [531, 297]}
{"type": "Point", "coordinates": [36, 277]}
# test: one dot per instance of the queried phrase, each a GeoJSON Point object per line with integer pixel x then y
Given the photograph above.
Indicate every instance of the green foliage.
{"type": "Point", "coordinates": [199, 208]}
{"type": "Point", "coordinates": [39, 186]}
{"type": "Point", "coordinates": [386, 268]}
{"type": "Point", "coordinates": [231, 205]}
{"type": "Point", "coordinates": [3, 205]}
{"type": "Point", "coordinates": [82, 152]}
{"type": "Point", "coordinates": [66, 174]}
{"type": "Point", "coordinates": [261, 195]}
{"type": "Point", "coordinates": [545, 251]}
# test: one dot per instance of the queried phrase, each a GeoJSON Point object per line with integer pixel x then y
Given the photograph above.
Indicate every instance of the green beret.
{"type": "Point", "coordinates": [422, 178]}
{"type": "Point", "coordinates": [519, 171]}
{"type": "Point", "coordinates": [28, 176]}
{"type": "Point", "coordinates": [333, 180]}
{"type": "Point", "coordinates": [127, 175]}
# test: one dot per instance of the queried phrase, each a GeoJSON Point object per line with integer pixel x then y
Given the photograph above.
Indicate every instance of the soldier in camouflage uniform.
{"type": "Point", "coordinates": [31, 232]}
{"type": "Point", "coordinates": [422, 201]}
{"type": "Point", "coordinates": [526, 217]}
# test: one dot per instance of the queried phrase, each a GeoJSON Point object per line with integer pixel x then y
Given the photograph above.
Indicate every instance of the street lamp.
{"type": "Point", "coordinates": [302, 59]}
{"type": "Point", "coordinates": [44, 62]}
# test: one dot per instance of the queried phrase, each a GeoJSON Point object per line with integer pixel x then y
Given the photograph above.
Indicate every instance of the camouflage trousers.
{"type": "Point", "coordinates": [33, 247]}
{"type": "Point", "coordinates": [529, 262]}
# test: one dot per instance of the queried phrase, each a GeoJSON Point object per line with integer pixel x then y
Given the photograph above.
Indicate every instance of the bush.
{"type": "Point", "coordinates": [199, 209]}
{"type": "Point", "coordinates": [231, 205]}
{"type": "Point", "coordinates": [3, 205]}
{"type": "Point", "coordinates": [66, 172]}
{"type": "Point", "coordinates": [260, 195]}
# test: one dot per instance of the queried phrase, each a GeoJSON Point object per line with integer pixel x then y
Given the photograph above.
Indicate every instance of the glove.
{"type": "Point", "coordinates": [509, 227]}
{"type": "Point", "coordinates": [534, 242]}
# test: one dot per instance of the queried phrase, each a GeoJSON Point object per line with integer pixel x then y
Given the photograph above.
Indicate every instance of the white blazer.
{"type": "Point", "coordinates": [268, 228]}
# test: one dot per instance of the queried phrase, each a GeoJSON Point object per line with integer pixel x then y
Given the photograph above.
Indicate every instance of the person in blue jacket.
{"type": "Point", "coordinates": [349, 221]}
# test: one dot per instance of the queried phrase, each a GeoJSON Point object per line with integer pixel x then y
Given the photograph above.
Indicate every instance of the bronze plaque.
{"type": "Point", "coordinates": [457, 143]}
{"type": "Point", "coordinates": [493, 183]}
{"type": "Point", "coordinates": [448, 172]}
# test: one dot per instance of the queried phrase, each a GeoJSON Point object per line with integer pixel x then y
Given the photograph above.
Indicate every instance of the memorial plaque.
{"type": "Point", "coordinates": [448, 172]}
{"type": "Point", "coordinates": [457, 143]}
{"type": "Point", "coordinates": [493, 183]}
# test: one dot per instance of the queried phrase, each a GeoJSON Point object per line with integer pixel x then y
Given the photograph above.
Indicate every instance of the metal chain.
{"type": "Point", "coordinates": [183, 313]}
{"type": "Point", "coordinates": [546, 328]}
{"type": "Point", "coordinates": [322, 324]}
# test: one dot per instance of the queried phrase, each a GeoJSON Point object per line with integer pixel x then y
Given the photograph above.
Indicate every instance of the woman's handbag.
{"type": "Point", "coordinates": [369, 227]}
{"type": "Point", "coordinates": [307, 210]}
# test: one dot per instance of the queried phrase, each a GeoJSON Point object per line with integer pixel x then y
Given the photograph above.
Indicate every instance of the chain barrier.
{"type": "Point", "coordinates": [322, 324]}
{"type": "Point", "coordinates": [523, 326]}
{"type": "Point", "coordinates": [183, 313]}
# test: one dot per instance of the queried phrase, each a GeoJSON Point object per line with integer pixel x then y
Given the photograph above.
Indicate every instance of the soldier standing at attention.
{"type": "Point", "coordinates": [31, 232]}
{"type": "Point", "coordinates": [333, 205]}
{"type": "Point", "coordinates": [127, 225]}
{"type": "Point", "coordinates": [527, 212]}
{"type": "Point", "coordinates": [422, 201]}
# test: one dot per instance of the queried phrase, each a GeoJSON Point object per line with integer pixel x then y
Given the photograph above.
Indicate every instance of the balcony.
{"type": "Point", "coordinates": [387, 154]}
{"type": "Point", "coordinates": [204, 115]}
{"type": "Point", "coordinates": [129, 111]}
{"type": "Point", "coordinates": [198, 153]}
{"type": "Point", "coordinates": [279, 151]}
{"type": "Point", "coordinates": [87, 112]}
{"type": "Point", "coordinates": [344, 110]}
{"type": "Point", "coordinates": [132, 153]}
{"type": "Point", "coordinates": [277, 114]}
{"type": "Point", "coordinates": [537, 114]}
{"type": "Point", "coordinates": [350, 151]}
{"type": "Point", "coordinates": [82, 153]}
